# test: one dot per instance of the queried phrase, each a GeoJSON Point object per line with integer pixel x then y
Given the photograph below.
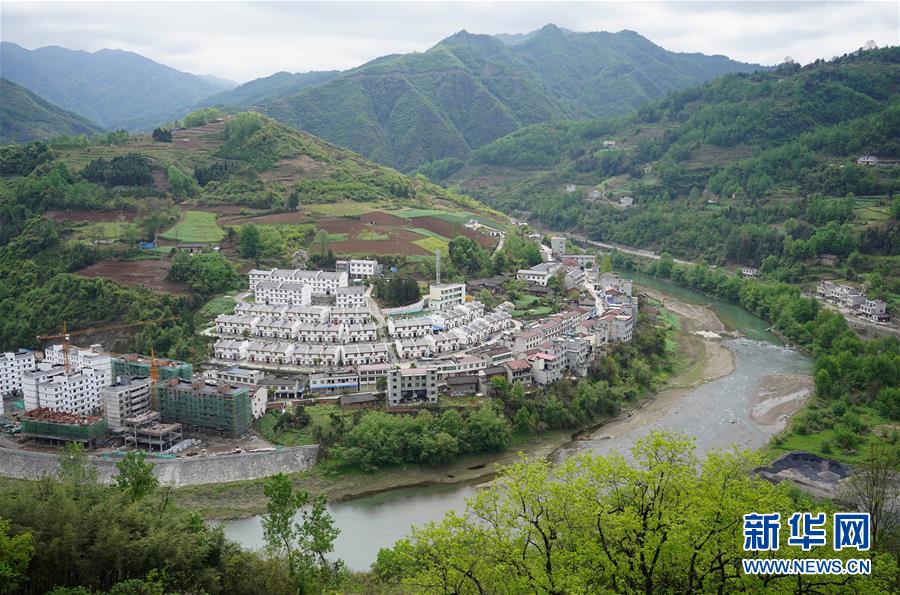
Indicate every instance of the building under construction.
{"type": "Point", "coordinates": [59, 427]}
{"type": "Point", "coordinates": [133, 365]}
{"type": "Point", "coordinates": [207, 406]}
{"type": "Point", "coordinates": [145, 431]}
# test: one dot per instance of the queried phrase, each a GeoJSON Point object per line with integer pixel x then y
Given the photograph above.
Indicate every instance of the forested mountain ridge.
{"type": "Point", "coordinates": [717, 170]}
{"type": "Point", "coordinates": [24, 117]}
{"type": "Point", "coordinates": [115, 88]}
{"type": "Point", "coordinates": [468, 90]}
{"type": "Point", "coordinates": [278, 84]}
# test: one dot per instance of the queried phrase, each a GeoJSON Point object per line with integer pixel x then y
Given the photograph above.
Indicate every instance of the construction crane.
{"type": "Point", "coordinates": [66, 335]}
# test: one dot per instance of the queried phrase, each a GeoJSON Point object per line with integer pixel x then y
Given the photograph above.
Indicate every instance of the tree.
{"type": "Point", "coordinates": [302, 545]}
{"type": "Point", "coordinates": [293, 200]}
{"type": "Point", "coordinates": [15, 553]}
{"type": "Point", "coordinates": [606, 265]}
{"type": "Point", "coordinates": [873, 488]}
{"type": "Point", "coordinates": [135, 477]}
{"type": "Point", "coordinates": [666, 523]}
{"type": "Point", "coordinates": [381, 387]}
{"type": "Point", "coordinates": [467, 256]}
{"type": "Point", "coordinates": [250, 244]}
{"type": "Point", "coordinates": [163, 135]}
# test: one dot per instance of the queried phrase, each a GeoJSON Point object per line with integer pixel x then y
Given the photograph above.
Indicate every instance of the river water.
{"type": "Point", "coordinates": [717, 413]}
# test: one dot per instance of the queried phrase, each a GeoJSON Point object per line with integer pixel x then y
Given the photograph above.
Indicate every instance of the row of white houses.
{"type": "Point", "coordinates": [294, 330]}
{"type": "Point", "coordinates": [309, 314]}
{"type": "Point", "coordinates": [300, 354]}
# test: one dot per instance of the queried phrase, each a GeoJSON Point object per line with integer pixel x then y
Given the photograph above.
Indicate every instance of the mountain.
{"type": "Point", "coordinates": [114, 88]}
{"type": "Point", "coordinates": [279, 84]}
{"type": "Point", "coordinates": [468, 90]}
{"type": "Point", "coordinates": [24, 117]}
{"type": "Point", "coordinates": [740, 168]}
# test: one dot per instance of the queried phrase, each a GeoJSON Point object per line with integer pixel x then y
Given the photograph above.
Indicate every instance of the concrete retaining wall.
{"type": "Point", "coordinates": [175, 472]}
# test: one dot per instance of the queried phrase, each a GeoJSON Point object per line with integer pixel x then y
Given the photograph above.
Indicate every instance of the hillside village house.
{"type": "Point", "coordinates": [545, 368]}
{"type": "Point", "coordinates": [874, 310]}
{"type": "Point", "coordinates": [867, 160]}
{"type": "Point", "coordinates": [446, 295]}
{"type": "Point", "coordinates": [626, 201]}
{"type": "Point", "coordinates": [358, 268]}
{"type": "Point", "coordinates": [571, 188]}
{"type": "Point", "coordinates": [518, 370]}
{"type": "Point", "coordinates": [749, 272]}
{"type": "Point", "coordinates": [608, 144]}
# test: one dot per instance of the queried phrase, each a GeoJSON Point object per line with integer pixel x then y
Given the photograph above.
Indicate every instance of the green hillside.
{"type": "Point", "coordinates": [279, 84]}
{"type": "Point", "coordinates": [741, 168]}
{"type": "Point", "coordinates": [468, 90]}
{"type": "Point", "coordinates": [24, 117]}
{"type": "Point", "coordinates": [115, 88]}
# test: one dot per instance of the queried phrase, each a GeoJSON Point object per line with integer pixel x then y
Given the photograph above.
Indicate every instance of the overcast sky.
{"type": "Point", "coordinates": [245, 40]}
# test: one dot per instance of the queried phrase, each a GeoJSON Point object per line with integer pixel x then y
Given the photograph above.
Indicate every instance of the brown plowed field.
{"type": "Point", "coordinates": [379, 218]}
{"type": "Point", "coordinates": [140, 273]}
{"type": "Point", "coordinates": [378, 247]}
{"type": "Point", "coordinates": [78, 215]}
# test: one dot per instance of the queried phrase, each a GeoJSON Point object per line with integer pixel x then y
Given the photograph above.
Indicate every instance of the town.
{"type": "Point", "coordinates": [317, 337]}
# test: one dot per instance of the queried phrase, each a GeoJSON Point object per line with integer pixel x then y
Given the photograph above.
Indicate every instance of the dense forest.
{"type": "Point", "coordinates": [743, 167]}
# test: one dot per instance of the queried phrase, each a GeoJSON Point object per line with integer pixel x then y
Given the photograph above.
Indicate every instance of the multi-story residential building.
{"type": "Point", "coordinates": [238, 375]}
{"type": "Point", "coordinates": [12, 367]}
{"type": "Point", "coordinates": [359, 269]}
{"type": "Point", "coordinates": [558, 246]}
{"type": "Point", "coordinates": [518, 370]}
{"type": "Point", "coordinates": [874, 309]}
{"type": "Point", "coordinates": [539, 274]}
{"type": "Point", "coordinates": [60, 427]}
{"type": "Point", "coordinates": [319, 282]}
{"type": "Point", "coordinates": [353, 296]}
{"type": "Point", "coordinates": [585, 261]}
{"type": "Point", "coordinates": [360, 333]}
{"type": "Point", "coordinates": [81, 358]}
{"type": "Point", "coordinates": [275, 328]}
{"type": "Point", "coordinates": [606, 280]}
{"type": "Point", "coordinates": [446, 295]}
{"type": "Point", "coordinates": [350, 315]}
{"type": "Point", "coordinates": [77, 392]}
{"type": "Point", "coordinates": [408, 328]}
{"type": "Point", "coordinates": [331, 382]}
{"type": "Point", "coordinates": [228, 349]}
{"type": "Point", "coordinates": [412, 386]}
{"type": "Point", "coordinates": [622, 328]}
{"type": "Point", "coordinates": [527, 340]}
{"type": "Point", "coordinates": [307, 314]}
{"type": "Point", "coordinates": [134, 365]}
{"type": "Point", "coordinates": [213, 407]}
{"type": "Point", "coordinates": [364, 353]}
{"type": "Point", "coordinates": [270, 352]}
{"type": "Point", "coordinates": [279, 293]}
{"type": "Point", "coordinates": [577, 352]}
{"type": "Point", "coordinates": [545, 368]}
{"type": "Point", "coordinates": [129, 397]}
{"type": "Point", "coordinates": [316, 355]}
{"type": "Point", "coordinates": [414, 348]}
{"type": "Point", "coordinates": [370, 373]}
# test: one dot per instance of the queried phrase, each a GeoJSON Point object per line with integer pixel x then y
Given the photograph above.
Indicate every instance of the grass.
{"type": "Point", "coordinates": [372, 235]}
{"type": "Point", "coordinates": [223, 304]}
{"type": "Point", "coordinates": [336, 237]}
{"type": "Point", "coordinates": [320, 415]}
{"type": "Point", "coordinates": [525, 301]}
{"type": "Point", "coordinates": [426, 232]}
{"type": "Point", "coordinates": [431, 244]}
{"type": "Point", "coordinates": [457, 217]}
{"type": "Point", "coordinates": [343, 209]}
{"type": "Point", "coordinates": [815, 442]}
{"type": "Point", "coordinates": [102, 230]}
{"type": "Point", "coordinates": [195, 226]}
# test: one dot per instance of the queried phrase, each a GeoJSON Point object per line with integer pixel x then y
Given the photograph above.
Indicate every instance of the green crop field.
{"type": "Point", "coordinates": [195, 226]}
{"type": "Point", "coordinates": [432, 244]}
{"type": "Point", "coordinates": [426, 232]}
{"type": "Point", "coordinates": [100, 230]}
{"type": "Point", "coordinates": [344, 209]}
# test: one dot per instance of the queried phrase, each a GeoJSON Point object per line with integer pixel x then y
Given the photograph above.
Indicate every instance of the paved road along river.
{"type": "Point", "coordinates": [719, 413]}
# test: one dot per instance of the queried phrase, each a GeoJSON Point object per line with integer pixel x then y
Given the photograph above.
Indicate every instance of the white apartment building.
{"type": "Point", "coordinates": [410, 386]}
{"type": "Point", "coordinates": [446, 295]}
{"type": "Point", "coordinates": [545, 368]}
{"type": "Point", "coordinates": [228, 349]}
{"type": "Point", "coordinates": [350, 315]}
{"type": "Point", "coordinates": [279, 293]}
{"type": "Point", "coordinates": [364, 354]}
{"type": "Point", "coordinates": [81, 358]}
{"type": "Point", "coordinates": [353, 296]}
{"type": "Point", "coordinates": [558, 245]}
{"type": "Point", "coordinates": [320, 282]}
{"type": "Point", "coordinates": [237, 375]}
{"type": "Point", "coordinates": [12, 367]}
{"type": "Point", "coordinates": [307, 355]}
{"type": "Point", "coordinates": [359, 268]}
{"type": "Point", "coordinates": [77, 393]}
{"type": "Point", "coordinates": [408, 328]}
{"type": "Point", "coordinates": [539, 273]}
{"type": "Point", "coordinates": [130, 397]}
{"type": "Point", "coordinates": [360, 333]}
{"type": "Point", "coordinates": [310, 314]}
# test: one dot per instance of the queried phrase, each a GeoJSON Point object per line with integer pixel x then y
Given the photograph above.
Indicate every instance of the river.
{"type": "Point", "coordinates": [718, 413]}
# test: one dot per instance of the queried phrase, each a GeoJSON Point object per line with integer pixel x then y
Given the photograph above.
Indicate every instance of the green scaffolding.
{"type": "Point", "coordinates": [228, 413]}
{"type": "Point", "coordinates": [168, 369]}
{"type": "Point", "coordinates": [64, 431]}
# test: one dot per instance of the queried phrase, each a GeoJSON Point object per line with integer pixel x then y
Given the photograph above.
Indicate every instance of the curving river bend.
{"type": "Point", "coordinates": [720, 413]}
